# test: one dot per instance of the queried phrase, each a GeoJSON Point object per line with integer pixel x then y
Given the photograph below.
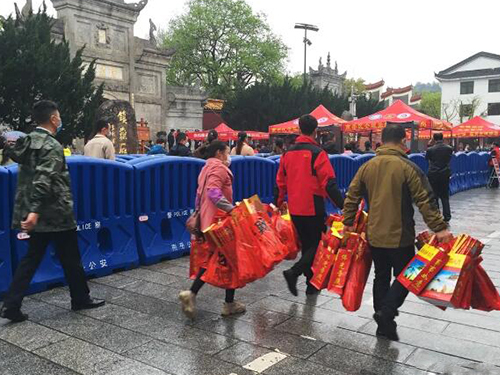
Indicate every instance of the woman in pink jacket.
{"type": "Point", "coordinates": [215, 192]}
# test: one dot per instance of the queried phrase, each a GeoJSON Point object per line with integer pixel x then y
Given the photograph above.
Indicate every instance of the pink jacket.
{"type": "Point", "coordinates": [217, 176]}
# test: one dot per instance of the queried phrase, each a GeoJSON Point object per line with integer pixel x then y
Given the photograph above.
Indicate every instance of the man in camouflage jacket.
{"type": "Point", "coordinates": [44, 209]}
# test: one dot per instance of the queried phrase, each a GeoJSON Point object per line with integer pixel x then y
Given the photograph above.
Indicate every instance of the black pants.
{"type": "Point", "coordinates": [309, 229]}
{"type": "Point", "coordinates": [387, 297]}
{"type": "Point", "coordinates": [66, 245]}
{"type": "Point", "coordinates": [198, 283]}
{"type": "Point", "coordinates": [441, 187]}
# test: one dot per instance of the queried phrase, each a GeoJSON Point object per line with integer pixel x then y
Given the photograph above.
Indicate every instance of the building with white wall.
{"type": "Point", "coordinates": [471, 85]}
{"type": "Point", "coordinates": [389, 95]}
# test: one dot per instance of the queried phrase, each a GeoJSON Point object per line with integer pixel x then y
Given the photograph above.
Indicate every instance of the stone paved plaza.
{"type": "Point", "coordinates": [142, 331]}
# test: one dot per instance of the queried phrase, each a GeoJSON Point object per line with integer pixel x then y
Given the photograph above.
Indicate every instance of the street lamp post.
{"type": "Point", "coordinates": [307, 42]}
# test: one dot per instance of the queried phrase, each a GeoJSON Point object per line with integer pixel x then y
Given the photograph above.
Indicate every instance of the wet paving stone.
{"type": "Point", "coordinates": [142, 331]}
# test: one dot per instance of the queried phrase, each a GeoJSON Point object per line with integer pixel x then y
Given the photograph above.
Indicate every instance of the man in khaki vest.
{"type": "Point", "coordinates": [100, 146]}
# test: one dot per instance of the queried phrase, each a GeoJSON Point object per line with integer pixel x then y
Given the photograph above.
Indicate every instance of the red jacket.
{"type": "Point", "coordinates": [307, 177]}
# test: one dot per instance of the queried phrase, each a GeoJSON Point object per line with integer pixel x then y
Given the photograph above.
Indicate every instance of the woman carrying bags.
{"type": "Point", "coordinates": [214, 195]}
{"type": "Point", "coordinates": [242, 148]}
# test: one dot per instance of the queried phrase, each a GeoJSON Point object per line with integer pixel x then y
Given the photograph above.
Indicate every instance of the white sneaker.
{"type": "Point", "coordinates": [233, 308]}
{"type": "Point", "coordinates": [188, 301]}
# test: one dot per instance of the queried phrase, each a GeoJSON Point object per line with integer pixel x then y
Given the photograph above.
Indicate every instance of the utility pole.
{"type": "Point", "coordinates": [307, 42]}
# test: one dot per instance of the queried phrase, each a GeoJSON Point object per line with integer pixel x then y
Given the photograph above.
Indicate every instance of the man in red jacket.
{"type": "Point", "coordinates": [307, 177]}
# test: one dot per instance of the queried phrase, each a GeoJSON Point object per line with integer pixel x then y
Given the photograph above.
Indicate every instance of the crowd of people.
{"type": "Point", "coordinates": [390, 182]}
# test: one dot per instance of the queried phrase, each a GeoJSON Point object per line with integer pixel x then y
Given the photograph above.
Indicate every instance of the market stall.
{"type": "Point", "coordinates": [226, 133]}
{"type": "Point", "coordinates": [325, 119]}
{"type": "Point", "coordinates": [398, 112]}
{"type": "Point", "coordinates": [476, 127]}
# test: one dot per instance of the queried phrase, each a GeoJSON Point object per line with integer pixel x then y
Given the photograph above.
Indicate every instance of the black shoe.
{"type": "Point", "coordinates": [312, 290]}
{"type": "Point", "coordinates": [387, 327]}
{"type": "Point", "coordinates": [291, 281]}
{"type": "Point", "coordinates": [90, 304]}
{"type": "Point", "coordinates": [15, 316]}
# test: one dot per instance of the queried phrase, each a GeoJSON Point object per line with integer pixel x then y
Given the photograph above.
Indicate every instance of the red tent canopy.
{"type": "Point", "coordinates": [476, 127]}
{"type": "Point", "coordinates": [397, 112]}
{"type": "Point", "coordinates": [225, 134]}
{"type": "Point", "coordinates": [323, 115]}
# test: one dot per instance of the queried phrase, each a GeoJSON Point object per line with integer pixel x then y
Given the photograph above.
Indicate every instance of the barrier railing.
{"type": "Point", "coordinates": [164, 199]}
{"type": "Point", "coordinates": [135, 210]}
{"type": "Point", "coordinates": [103, 194]}
{"type": "Point", "coordinates": [253, 175]}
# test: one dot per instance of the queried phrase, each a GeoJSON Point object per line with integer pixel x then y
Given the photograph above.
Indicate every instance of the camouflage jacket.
{"type": "Point", "coordinates": [43, 183]}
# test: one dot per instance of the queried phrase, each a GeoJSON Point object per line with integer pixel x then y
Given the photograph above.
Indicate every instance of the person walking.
{"type": "Point", "coordinates": [439, 157]}
{"type": "Point", "coordinates": [242, 148]}
{"type": "Point", "coordinates": [100, 146]}
{"type": "Point", "coordinates": [171, 139]}
{"type": "Point", "coordinates": [214, 194]}
{"type": "Point", "coordinates": [44, 208]}
{"type": "Point", "coordinates": [306, 176]}
{"type": "Point", "coordinates": [158, 148]}
{"type": "Point", "coordinates": [392, 183]}
{"type": "Point", "coordinates": [180, 149]}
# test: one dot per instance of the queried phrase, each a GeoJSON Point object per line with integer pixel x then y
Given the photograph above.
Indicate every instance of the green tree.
{"type": "Point", "coordinates": [358, 85]}
{"type": "Point", "coordinates": [431, 104]}
{"type": "Point", "coordinates": [223, 45]}
{"type": "Point", "coordinates": [264, 104]}
{"type": "Point", "coordinates": [34, 67]}
{"type": "Point", "coordinates": [366, 106]}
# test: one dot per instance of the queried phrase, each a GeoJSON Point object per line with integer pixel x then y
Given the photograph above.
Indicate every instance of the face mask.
{"type": "Point", "coordinates": [228, 161]}
{"type": "Point", "coordinates": [59, 128]}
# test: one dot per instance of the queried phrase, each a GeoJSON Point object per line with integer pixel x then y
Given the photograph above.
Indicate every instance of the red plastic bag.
{"type": "Point", "coordinates": [356, 280]}
{"type": "Point", "coordinates": [485, 296]}
{"type": "Point", "coordinates": [200, 254]}
{"type": "Point", "coordinates": [324, 260]}
{"type": "Point", "coordinates": [220, 273]}
{"type": "Point", "coordinates": [272, 250]}
{"type": "Point", "coordinates": [249, 262]}
{"type": "Point", "coordinates": [287, 233]}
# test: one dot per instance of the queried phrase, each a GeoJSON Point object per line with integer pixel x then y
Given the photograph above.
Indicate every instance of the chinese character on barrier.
{"type": "Point", "coordinates": [92, 265]}
{"type": "Point", "coordinates": [181, 245]}
{"type": "Point", "coordinates": [104, 263]}
{"type": "Point", "coordinates": [174, 247]}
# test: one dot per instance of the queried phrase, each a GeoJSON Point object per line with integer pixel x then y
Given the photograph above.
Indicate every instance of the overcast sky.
{"type": "Point", "coordinates": [401, 41]}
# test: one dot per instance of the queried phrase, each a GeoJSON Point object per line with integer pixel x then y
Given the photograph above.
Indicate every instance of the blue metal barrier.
{"type": "Point", "coordinates": [345, 169]}
{"type": "Point", "coordinates": [253, 175]}
{"type": "Point", "coordinates": [484, 167]}
{"type": "Point", "coordinates": [5, 217]}
{"type": "Point", "coordinates": [103, 194]}
{"type": "Point", "coordinates": [164, 198]}
{"type": "Point", "coordinates": [462, 171]}
{"type": "Point", "coordinates": [420, 160]}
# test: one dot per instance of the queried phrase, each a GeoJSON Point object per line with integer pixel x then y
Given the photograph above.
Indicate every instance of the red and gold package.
{"type": "Point", "coordinates": [342, 264]}
{"type": "Point", "coordinates": [323, 260]}
{"type": "Point", "coordinates": [448, 287]}
{"type": "Point", "coordinates": [422, 268]}
{"type": "Point", "coordinates": [358, 276]}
